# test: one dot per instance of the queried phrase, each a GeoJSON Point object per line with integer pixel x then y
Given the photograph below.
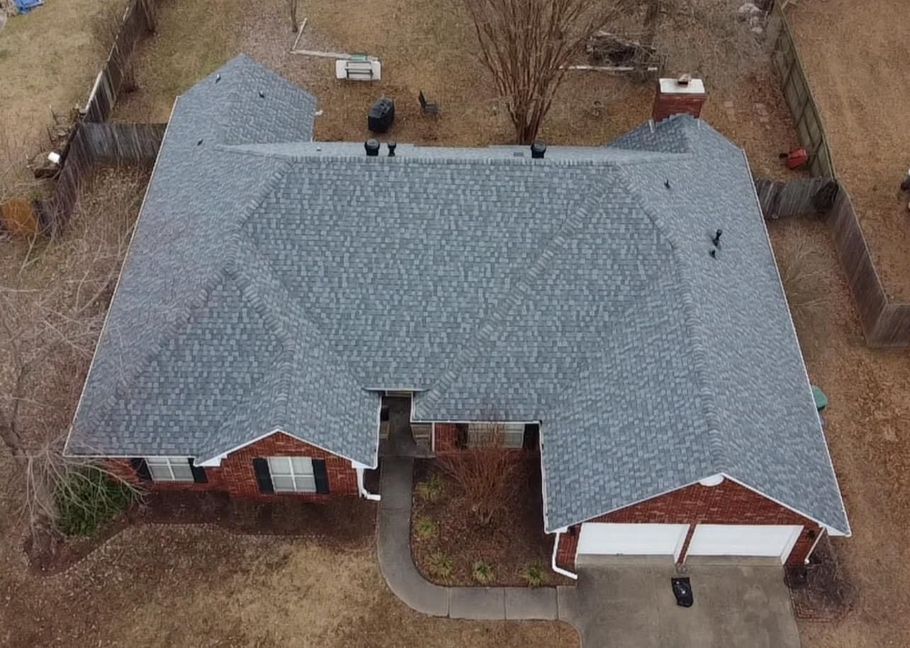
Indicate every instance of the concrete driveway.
{"type": "Point", "coordinates": [628, 603]}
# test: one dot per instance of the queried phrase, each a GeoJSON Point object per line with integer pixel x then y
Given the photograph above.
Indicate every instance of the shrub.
{"type": "Point", "coordinates": [432, 489]}
{"type": "Point", "coordinates": [534, 575]}
{"type": "Point", "coordinates": [485, 474]}
{"type": "Point", "coordinates": [87, 497]}
{"type": "Point", "coordinates": [425, 528]}
{"type": "Point", "coordinates": [482, 573]}
{"type": "Point", "coordinates": [441, 566]}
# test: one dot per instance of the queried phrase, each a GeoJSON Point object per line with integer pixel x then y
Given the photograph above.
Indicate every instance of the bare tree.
{"type": "Point", "coordinates": [53, 299]}
{"type": "Point", "coordinates": [526, 45]}
{"type": "Point", "coordinates": [483, 471]}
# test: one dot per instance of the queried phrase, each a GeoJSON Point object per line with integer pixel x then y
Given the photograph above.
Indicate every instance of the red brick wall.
{"type": "Point", "coordinates": [727, 503]}
{"type": "Point", "coordinates": [446, 437]}
{"type": "Point", "coordinates": [236, 477]}
{"type": "Point", "coordinates": [666, 105]}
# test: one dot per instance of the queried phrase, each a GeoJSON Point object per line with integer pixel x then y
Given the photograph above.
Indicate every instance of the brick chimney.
{"type": "Point", "coordinates": [684, 95]}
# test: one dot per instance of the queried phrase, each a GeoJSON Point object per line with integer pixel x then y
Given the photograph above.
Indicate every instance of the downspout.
{"type": "Point", "coordinates": [364, 493]}
{"type": "Point", "coordinates": [818, 538]}
{"type": "Point", "coordinates": [556, 568]}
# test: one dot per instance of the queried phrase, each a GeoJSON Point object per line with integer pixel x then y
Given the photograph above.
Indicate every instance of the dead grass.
{"type": "Point", "coordinates": [424, 45]}
{"type": "Point", "coordinates": [865, 424]}
{"type": "Point", "coordinates": [48, 61]}
{"type": "Point", "coordinates": [172, 585]}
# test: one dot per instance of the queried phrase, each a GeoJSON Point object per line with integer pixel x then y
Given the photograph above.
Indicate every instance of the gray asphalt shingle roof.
{"type": "Point", "coordinates": [276, 283]}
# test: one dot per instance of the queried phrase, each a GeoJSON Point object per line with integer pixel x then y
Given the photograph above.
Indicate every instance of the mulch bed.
{"type": "Point", "coordinates": [821, 591]}
{"type": "Point", "coordinates": [344, 523]}
{"type": "Point", "coordinates": [509, 543]}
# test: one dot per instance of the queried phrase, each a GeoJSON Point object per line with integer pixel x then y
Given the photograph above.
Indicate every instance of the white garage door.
{"type": "Point", "coordinates": [632, 539]}
{"type": "Point", "coordinates": [743, 540]}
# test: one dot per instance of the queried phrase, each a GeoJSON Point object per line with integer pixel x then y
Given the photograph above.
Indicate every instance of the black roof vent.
{"type": "Point", "coordinates": [372, 147]}
{"type": "Point", "coordinates": [392, 146]}
{"type": "Point", "coordinates": [538, 150]}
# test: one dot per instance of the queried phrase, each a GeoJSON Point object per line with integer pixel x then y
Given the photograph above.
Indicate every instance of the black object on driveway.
{"type": "Point", "coordinates": [682, 590]}
{"type": "Point", "coordinates": [381, 116]}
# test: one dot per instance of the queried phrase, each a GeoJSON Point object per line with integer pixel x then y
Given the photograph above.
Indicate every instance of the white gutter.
{"type": "Point", "coordinates": [556, 568]}
{"type": "Point", "coordinates": [364, 493]}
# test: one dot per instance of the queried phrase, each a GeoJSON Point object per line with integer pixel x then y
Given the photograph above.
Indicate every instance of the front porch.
{"type": "Point", "coordinates": [398, 436]}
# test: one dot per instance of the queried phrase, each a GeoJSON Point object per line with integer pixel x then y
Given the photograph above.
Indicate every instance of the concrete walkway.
{"type": "Point", "coordinates": [619, 602]}
{"type": "Point", "coordinates": [405, 581]}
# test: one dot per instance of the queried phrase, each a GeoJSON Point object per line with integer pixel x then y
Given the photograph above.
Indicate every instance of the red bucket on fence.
{"type": "Point", "coordinates": [796, 159]}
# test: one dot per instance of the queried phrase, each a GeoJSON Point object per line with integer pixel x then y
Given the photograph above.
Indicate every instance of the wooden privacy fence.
{"type": "Point", "coordinates": [93, 144]}
{"type": "Point", "coordinates": [802, 104]}
{"type": "Point", "coordinates": [138, 20]}
{"type": "Point", "coordinates": [94, 141]}
{"type": "Point", "coordinates": [885, 323]}
{"type": "Point", "coordinates": [796, 198]}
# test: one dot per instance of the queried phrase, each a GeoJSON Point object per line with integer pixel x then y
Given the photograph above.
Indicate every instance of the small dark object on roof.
{"type": "Point", "coordinates": [199, 143]}
{"type": "Point", "coordinates": [261, 94]}
{"type": "Point", "coordinates": [381, 116]}
{"type": "Point", "coordinates": [667, 183]}
{"type": "Point", "coordinates": [716, 239]}
{"type": "Point", "coordinates": [427, 107]}
{"type": "Point", "coordinates": [713, 253]}
{"type": "Point", "coordinates": [682, 590]}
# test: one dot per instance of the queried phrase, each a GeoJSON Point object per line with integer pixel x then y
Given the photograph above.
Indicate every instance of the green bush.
{"type": "Point", "coordinates": [535, 575]}
{"type": "Point", "coordinates": [482, 573]}
{"type": "Point", "coordinates": [441, 566]}
{"type": "Point", "coordinates": [432, 489]}
{"type": "Point", "coordinates": [425, 528]}
{"type": "Point", "coordinates": [87, 498]}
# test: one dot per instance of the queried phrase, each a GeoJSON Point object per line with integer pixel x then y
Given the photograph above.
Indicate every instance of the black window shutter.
{"type": "Point", "coordinates": [532, 436]}
{"type": "Point", "coordinates": [263, 476]}
{"type": "Point", "coordinates": [199, 475]}
{"type": "Point", "coordinates": [142, 469]}
{"type": "Point", "coordinates": [321, 476]}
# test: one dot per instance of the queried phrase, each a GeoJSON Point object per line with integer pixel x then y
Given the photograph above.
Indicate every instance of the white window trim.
{"type": "Point", "coordinates": [168, 463]}
{"type": "Point", "coordinates": [296, 478]}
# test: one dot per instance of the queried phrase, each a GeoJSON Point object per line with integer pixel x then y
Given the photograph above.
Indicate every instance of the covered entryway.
{"type": "Point", "coordinates": [772, 541]}
{"type": "Point", "coordinates": [602, 539]}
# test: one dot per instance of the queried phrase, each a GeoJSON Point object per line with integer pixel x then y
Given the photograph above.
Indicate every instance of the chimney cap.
{"type": "Point", "coordinates": [677, 87]}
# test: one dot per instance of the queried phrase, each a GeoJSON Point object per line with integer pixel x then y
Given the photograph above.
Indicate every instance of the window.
{"type": "Point", "coordinates": [508, 435]}
{"type": "Point", "coordinates": [170, 469]}
{"type": "Point", "coordinates": [292, 474]}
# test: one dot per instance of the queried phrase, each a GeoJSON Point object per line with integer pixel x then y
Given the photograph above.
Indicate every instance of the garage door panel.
{"type": "Point", "coordinates": [631, 539]}
{"type": "Point", "coordinates": [743, 540]}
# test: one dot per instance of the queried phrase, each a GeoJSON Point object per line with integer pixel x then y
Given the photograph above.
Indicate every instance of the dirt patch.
{"type": "Point", "coordinates": [510, 544]}
{"type": "Point", "coordinates": [865, 424]}
{"type": "Point", "coordinates": [855, 56]}
{"type": "Point", "coordinates": [821, 591]}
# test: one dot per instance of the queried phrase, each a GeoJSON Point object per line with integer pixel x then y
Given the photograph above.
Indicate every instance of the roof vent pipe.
{"type": "Point", "coordinates": [372, 147]}
{"type": "Point", "coordinates": [392, 146]}
{"type": "Point", "coordinates": [538, 150]}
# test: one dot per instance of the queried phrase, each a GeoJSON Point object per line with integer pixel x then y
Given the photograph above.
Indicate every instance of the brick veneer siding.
{"type": "Point", "coordinates": [727, 503]}
{"type": "Point", "coordinates": [445, 437]}
{"type": "Point", "coordinates": [236, 477]}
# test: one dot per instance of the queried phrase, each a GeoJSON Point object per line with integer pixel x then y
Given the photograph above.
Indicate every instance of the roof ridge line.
{"type": "Point", "coordinates": [699, 354]}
